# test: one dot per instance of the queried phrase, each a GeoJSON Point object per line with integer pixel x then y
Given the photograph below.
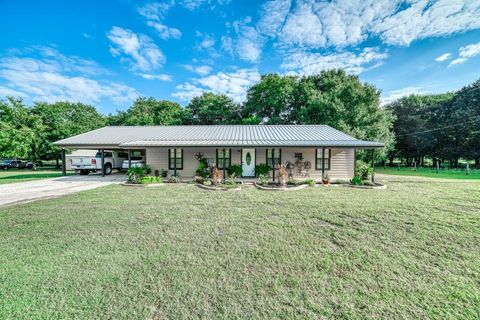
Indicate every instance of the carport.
{"type": "Point", "coordinates": [102, 149]}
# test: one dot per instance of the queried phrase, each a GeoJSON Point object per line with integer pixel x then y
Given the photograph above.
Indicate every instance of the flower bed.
{"type": "Point", "coordinates": [221, 187]}
{"type": "Point", "coordinates": [276, 187]}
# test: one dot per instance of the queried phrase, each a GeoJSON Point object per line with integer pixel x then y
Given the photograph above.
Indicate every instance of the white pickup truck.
{"type": "Point", "coordinates": [112, 160]}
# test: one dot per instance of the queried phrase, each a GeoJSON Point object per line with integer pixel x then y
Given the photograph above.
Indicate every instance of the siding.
{"type": "Point", "coordinates": [341, 165]}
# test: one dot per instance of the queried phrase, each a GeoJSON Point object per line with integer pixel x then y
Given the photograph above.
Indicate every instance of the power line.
{"type": "Point", "coordinates": [436, 129]}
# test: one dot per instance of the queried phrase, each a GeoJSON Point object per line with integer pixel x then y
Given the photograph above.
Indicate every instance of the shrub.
{"type": "Point", "coordinates": [262, 169]}
{"type": "Point", "coordinates": [263, 179]}
{"type": "Point", "coordinates": [363, 170]}
{"type": "Point", "coordinates": [202, 167]}
{"type": "Point", "coordinates": [135, 174]}
{"type": "Point", "coordinates": [207, 182]}
{"type": "Point", "coordinates": [174, 179]}
{"type": "Point", "coordinates": [235, 169]}
{"type": "Point", "coordinates": [294, 182]}
{"type": "Point", "coordinates": [310, 182]}
{"type": "Point", "coordinates": [150, 179]}
{"type": "Point", "coordinates": [231, 180]}
{"type": "Point", "coordinates": [356, 181]}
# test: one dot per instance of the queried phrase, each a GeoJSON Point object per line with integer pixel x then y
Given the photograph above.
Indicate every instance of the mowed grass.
{"type": "Point", "coordinates": [409, 252]}
{"type": "Point", "coordinates": [23, 175]}
{"type": "Point", "coordinates": [443, 173]}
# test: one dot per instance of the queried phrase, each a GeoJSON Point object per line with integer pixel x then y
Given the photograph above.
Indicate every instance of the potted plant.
{"type": "Point", "coordinates": [326, 179]}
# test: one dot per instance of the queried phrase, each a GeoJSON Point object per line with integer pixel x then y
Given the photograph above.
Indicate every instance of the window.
{"type": "Point", "coordinates": [175, 156]}
{"type": "Point", "coordinates": [321, 155]}
{"type": "Point", "coordinates": [123, 155]}
{"type": "Point", "coordinates": [224, 158]}
{"type": "Point", "coordinates": [276, 155]}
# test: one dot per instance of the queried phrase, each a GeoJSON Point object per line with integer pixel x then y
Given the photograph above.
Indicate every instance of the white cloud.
{"type": "Point", "coordinates": [201, 70]}
{"type": "Point", "coordinates": [443, 57]}
{"type": "Point", "coordinates": [306, 63]}
{"type": "Point", "coordinates": [227, 45]}
{"type": "Point", "coordinates": [466, 53]}
{"type": "Point", "coordinates": [161, 77]}
{"type": "Point", "coordinates": [138, 50]}
{"type": "Point", "coordinates": [273, 16]}
{"type": "Point", "coordinates": [155, 10]}
{"type": "Point", "coordinates": [164, 31]}
{"type": "Point", "coordinates": [248, 44]}
{"type": "Point", "coordinates": [233, 84]}
{"type": "Point", "coordinates": [399, 93]}
{"type": "Point", "coordinates": [207, 42]}
{"type": "Point", "coordinates": [4, 91]}
{"type": "Point", "coordinates": [53, 77]}
{"type": "Point", "coordinates": [195, 4]}
{"type": "Point", "coordinates": [340, 23]}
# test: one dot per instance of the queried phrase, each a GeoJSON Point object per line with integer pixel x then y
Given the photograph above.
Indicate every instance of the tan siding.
{"type": "Point", "coordinates": [341, 160]}
{"type": "Point", "coordinates": [157, 159]}
{"type": "Point", "coordinates": [342, 164]}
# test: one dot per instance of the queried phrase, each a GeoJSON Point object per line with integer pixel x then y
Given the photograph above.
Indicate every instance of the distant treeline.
{"type": "Point", "coordinates": [332, 97]}
{"type": "Point", "coordinates": [443, 127]}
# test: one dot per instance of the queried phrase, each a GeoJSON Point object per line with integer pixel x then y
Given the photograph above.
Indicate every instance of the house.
{"type": "Point", "coordinates": [308, 150]}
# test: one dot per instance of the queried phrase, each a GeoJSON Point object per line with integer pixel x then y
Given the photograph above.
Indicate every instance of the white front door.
{"type": "Point", "coordinates": [248, 162]}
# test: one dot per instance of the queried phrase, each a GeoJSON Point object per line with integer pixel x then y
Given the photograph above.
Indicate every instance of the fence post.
{"type": "Point", "coordinates": [468, 168]}
{"type": "Point", "coordinates": [438, 165]}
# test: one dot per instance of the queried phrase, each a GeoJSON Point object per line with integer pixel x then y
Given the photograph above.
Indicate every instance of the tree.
{"type": "Point", "coordinates": [342, 101]}
{"type": "Point", "coordinates": [210, 108]}
{"type": "Point", "coordinates": [270, 100]}
{"type": "Point", "coordinates": [149, 111]}
{"type": "Point", "coordinates": [61, 120]}
{"type": "Point", "coordinates": [21, 133]}
{"type": "Point", "coordinates": [415, 115]}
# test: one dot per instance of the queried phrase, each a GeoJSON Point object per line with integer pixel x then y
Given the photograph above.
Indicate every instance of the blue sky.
{"type": "Point", "coordinates": [107, 53]}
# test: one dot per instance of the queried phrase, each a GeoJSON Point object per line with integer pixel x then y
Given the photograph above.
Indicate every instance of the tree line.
{"type": "Point", "coordinates": [333, 97]}
{"type": "Point", "coordinates": [439, 127]}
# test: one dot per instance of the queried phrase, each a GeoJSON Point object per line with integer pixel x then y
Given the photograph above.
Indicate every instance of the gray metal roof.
{"type": "Point", "coordinates": [221, 135]}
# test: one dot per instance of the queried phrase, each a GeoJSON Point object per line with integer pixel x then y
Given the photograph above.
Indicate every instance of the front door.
{"type": "Point", "coordinates": [248, 162]}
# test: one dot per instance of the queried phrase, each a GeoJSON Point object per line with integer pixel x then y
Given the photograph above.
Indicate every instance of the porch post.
{"type": "Point", "coordinates": [102, 152]}
{"type": "Point", "coordinates": [175, 162]}
{"type": "Point", "coordinates": [129, 158]}
{"type": "Point", "coordinates": [273, 164]}
{"type": "Point", "coordinates": [323, 163]}
{"type": "Point", "coordinates": [373, 165]}
{"type": "Point", "coordinates": [223, 164]}
{"type": "Point", "coordinates": [64, 163]}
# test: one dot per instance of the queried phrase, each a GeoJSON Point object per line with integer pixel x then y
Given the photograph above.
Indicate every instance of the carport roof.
{"type": "Point", "coordinates": [221, 135]}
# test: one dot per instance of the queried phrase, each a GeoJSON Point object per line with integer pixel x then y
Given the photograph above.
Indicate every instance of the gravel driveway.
{"type": "Point", "coordinates": [22, 192]}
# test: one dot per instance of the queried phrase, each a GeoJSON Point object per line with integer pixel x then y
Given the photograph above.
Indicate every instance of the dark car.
{"type": "Point", "coordinates": [7, 164]}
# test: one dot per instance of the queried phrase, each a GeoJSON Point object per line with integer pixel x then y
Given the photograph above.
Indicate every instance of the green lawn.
{"type": "Point", "coordinates": [430, 172]}
{"type": "Point", "coordinates": [12, 175]}
{"type": "Point", "coordinates": [409, 252]}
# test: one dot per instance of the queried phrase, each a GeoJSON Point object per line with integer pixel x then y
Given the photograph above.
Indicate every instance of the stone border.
{"type": "Point", "coordinates": [375, 187]}
{"type": "Point", "coordinates": [139, 185]}
{"type": "Point", "coordinates": [215, 188]}
{"type": "Point", "coordinates": [266, 188]}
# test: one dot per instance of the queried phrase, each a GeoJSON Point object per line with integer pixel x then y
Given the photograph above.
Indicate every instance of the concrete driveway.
{"type": "Point", "coordinates": [21, 192]}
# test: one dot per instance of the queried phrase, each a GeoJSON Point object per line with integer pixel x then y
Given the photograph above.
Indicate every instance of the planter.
{"type": "Point", "coordinates": [326, 181]}
{"type": "Point", "coordinates": [280, 188]}
{"type": "Point", "coordinates": [217, 188]}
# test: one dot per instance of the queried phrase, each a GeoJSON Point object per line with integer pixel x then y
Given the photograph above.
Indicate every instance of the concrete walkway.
{"type": "Point", "coordinates": [22, 192]}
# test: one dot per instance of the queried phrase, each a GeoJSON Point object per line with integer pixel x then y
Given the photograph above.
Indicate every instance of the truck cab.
{"type": "Point", "coordinates": [112, 160]}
